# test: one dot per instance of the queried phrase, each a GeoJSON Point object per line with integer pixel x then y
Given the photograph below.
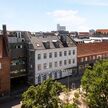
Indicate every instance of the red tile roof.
{"type": "Point", "coordinates": [86, 49]}
{"type": "Point", "coordinates": [102, 30]}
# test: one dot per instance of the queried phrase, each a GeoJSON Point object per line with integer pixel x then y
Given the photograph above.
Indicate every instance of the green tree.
{"type": "Point", "coordinates": [95, 83]}
{"type": "Point", "coordinates": [70, 106]}
{"type": "Point", "coordinates": [43, 96]}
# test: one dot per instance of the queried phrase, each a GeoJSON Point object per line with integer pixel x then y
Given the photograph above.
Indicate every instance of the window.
{"type": "Point", "coordinates": [69, 61]}
{"type": "Point", "coordinates": [50, 55]}
{"type": "Point", "coordinates": [39, 56]}
{"type": "Point", "coordinates": [60, 63]}
{"type": "Point", "coordinates": [85, 58]}
{"type": "Point", "coordinates": [99, 56]}
{"type": "Point", "coordinates": [0, 66]}
{"type": "Point", "coordinates": [69, 52]}
{"type": "Point", "coordinates": [82, 59]}
{"type": "Point", "coordinates": [39, 79]}
{"type": "Point", "coordinates": [45, 66]}
{"type": "Point", "coordinates": [73, 52]}
{"type": "Point", "coordinates": [44, 77]}
{"type": "Point", "coordinates": [93, 57]}
{"type": "Point", "coordinates": [45, 55]}
{"type": "Point", "coordinates": [65, 53]}
{"type": "Point", "coordinates": [55, 54]}
{"type": "Point", "coordinates": [23, 70]}
{"type": "Point", "coordinates": [31, 66]}
{"type": "Point", "coordinates": [50, 65]}
{"type": "Point", "coordinates": [20, 46]}
{"type": "Point", "coordinates": [73, 60]}
{"type": "Point", "coordinates": [65, 62]}
{"type": "Point", "coordinates": [60, 53]}
{"type": "Point", "coordinates": [16, 46]}
{"type": "Point", "coordinates": [46, 44]}
{"type": "Point", "coordinates": [0, 83]}
{"type": "Point", "coordinates": [60, 73]}
{"type": "Point", "coordinates": [50, 75]}
{"type": "Point", "coordinates": [55, 75]}
{"type": "Point", "coordinates": [55, 64]}
{"type": "Point", "coordinates": [16, 71]}
{"type": "Point", "coordinates": [39, 67]}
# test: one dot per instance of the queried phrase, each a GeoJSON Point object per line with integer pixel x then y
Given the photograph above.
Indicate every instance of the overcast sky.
{"type": "Point", "coordinates": [43, 15]}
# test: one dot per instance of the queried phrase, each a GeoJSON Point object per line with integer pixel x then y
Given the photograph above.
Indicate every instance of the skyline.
{"type": "Point", "coordinates": [44, 15]}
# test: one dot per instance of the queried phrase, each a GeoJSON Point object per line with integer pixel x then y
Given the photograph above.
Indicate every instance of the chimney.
{"type": "Point", "coordinates": [4, 30]}
{"type": "Point", "coordinates": [5, 40]}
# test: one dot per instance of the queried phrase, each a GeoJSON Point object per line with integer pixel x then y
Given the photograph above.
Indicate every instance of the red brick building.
{"type": "Point", "coordinates": [4, 64]}
{"type": "Point", "coordinates": [88, 53]}
{"type": "Point", "coordinates": [82, 35]}
{"type": "Point", "coordinates": [102, 31]}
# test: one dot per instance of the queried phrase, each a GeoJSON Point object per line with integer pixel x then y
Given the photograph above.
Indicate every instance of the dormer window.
{"type": "Point", "coordinates": [56, 43]}
{"type": "Point", "coordinates": [46, 44]}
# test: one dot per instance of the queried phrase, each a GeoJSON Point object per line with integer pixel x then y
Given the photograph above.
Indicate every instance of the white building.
{"type": "Point", "coordinates": [52, 57]}
{"type": "Point", "coordinates": [98, 39]}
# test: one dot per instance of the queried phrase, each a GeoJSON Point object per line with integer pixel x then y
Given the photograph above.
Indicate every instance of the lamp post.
{"type": "Point", "coordinates": [68, 80]}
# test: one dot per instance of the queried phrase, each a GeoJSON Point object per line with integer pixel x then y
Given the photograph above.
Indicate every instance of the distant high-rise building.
{"type": "Point", "coordinates": [61, 28]}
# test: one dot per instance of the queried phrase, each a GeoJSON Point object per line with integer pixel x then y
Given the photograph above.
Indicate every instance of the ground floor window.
{"type": "Point", "coordinates": [50, 75]}
{"type": "Point", "coordinates": [60, 73]}
{"type": "Point", "coordinates": [39, 79]}
{"type": "Point", "coordinates": [44, 77]}
{"type": "Point", "coordinates": [55, 75]}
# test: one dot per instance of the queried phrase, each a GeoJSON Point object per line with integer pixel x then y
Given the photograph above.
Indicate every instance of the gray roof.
{"type": "Point", "coordinates": [37, 42]}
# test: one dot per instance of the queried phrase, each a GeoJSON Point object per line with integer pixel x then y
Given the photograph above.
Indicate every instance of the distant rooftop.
{"type": "Point", "coordinates": [92, 48]}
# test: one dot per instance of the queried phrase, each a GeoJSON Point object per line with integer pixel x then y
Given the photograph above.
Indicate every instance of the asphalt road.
{"type": "Point", "coordinates": [14, 103]}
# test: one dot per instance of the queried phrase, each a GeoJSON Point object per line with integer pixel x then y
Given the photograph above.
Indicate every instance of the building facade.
{"type": "Point", "coordinates": [102, 32]}
{"type": "Point", "coordinates": [18, 54]}
{"type": "Point", "coordinates": [89, 53]}
{"type": "Point", "coordinates": [51, 57]}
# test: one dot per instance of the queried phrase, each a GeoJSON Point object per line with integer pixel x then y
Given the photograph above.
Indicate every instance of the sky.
{"type": "Point", "coordinates": [44, 15]}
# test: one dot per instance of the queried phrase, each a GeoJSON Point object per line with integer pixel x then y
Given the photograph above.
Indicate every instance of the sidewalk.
{"type": "Point", "coordinates": [68, 98]}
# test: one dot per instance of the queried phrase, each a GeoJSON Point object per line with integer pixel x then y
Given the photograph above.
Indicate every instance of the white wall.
{"type": "Point", "coordinates": [53, 60]}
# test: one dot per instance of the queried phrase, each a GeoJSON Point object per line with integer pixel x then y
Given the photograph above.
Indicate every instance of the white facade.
{"type": "Point", "coordinates": [54, 65]}
{"type": "Point", "coordinates": [99, 39]}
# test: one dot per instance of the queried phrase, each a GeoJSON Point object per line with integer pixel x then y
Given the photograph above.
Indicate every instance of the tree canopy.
{"type": "Point", "coordinates": [43, 96]}
{"type": "Point", "coordinates": [95, 84]}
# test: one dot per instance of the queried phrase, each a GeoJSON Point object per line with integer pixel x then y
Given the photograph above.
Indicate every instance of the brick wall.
{"type": "Point", "coordinates": [5, 75]}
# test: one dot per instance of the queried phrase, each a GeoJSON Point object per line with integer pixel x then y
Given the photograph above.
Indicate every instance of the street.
{"type": "Point", "coordinates": [14, 103]}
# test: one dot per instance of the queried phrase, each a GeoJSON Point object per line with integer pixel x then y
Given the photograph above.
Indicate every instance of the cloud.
{"type": "Point", "coordinates": [70, 19]}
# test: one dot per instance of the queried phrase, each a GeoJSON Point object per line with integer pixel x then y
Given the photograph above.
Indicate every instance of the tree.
{"type": "Point", "coordinates": [43, 96]}
{"type": "Point", "coordinates": [70, 106]}
{"type": "Point", "coordinates": [95, 84]}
